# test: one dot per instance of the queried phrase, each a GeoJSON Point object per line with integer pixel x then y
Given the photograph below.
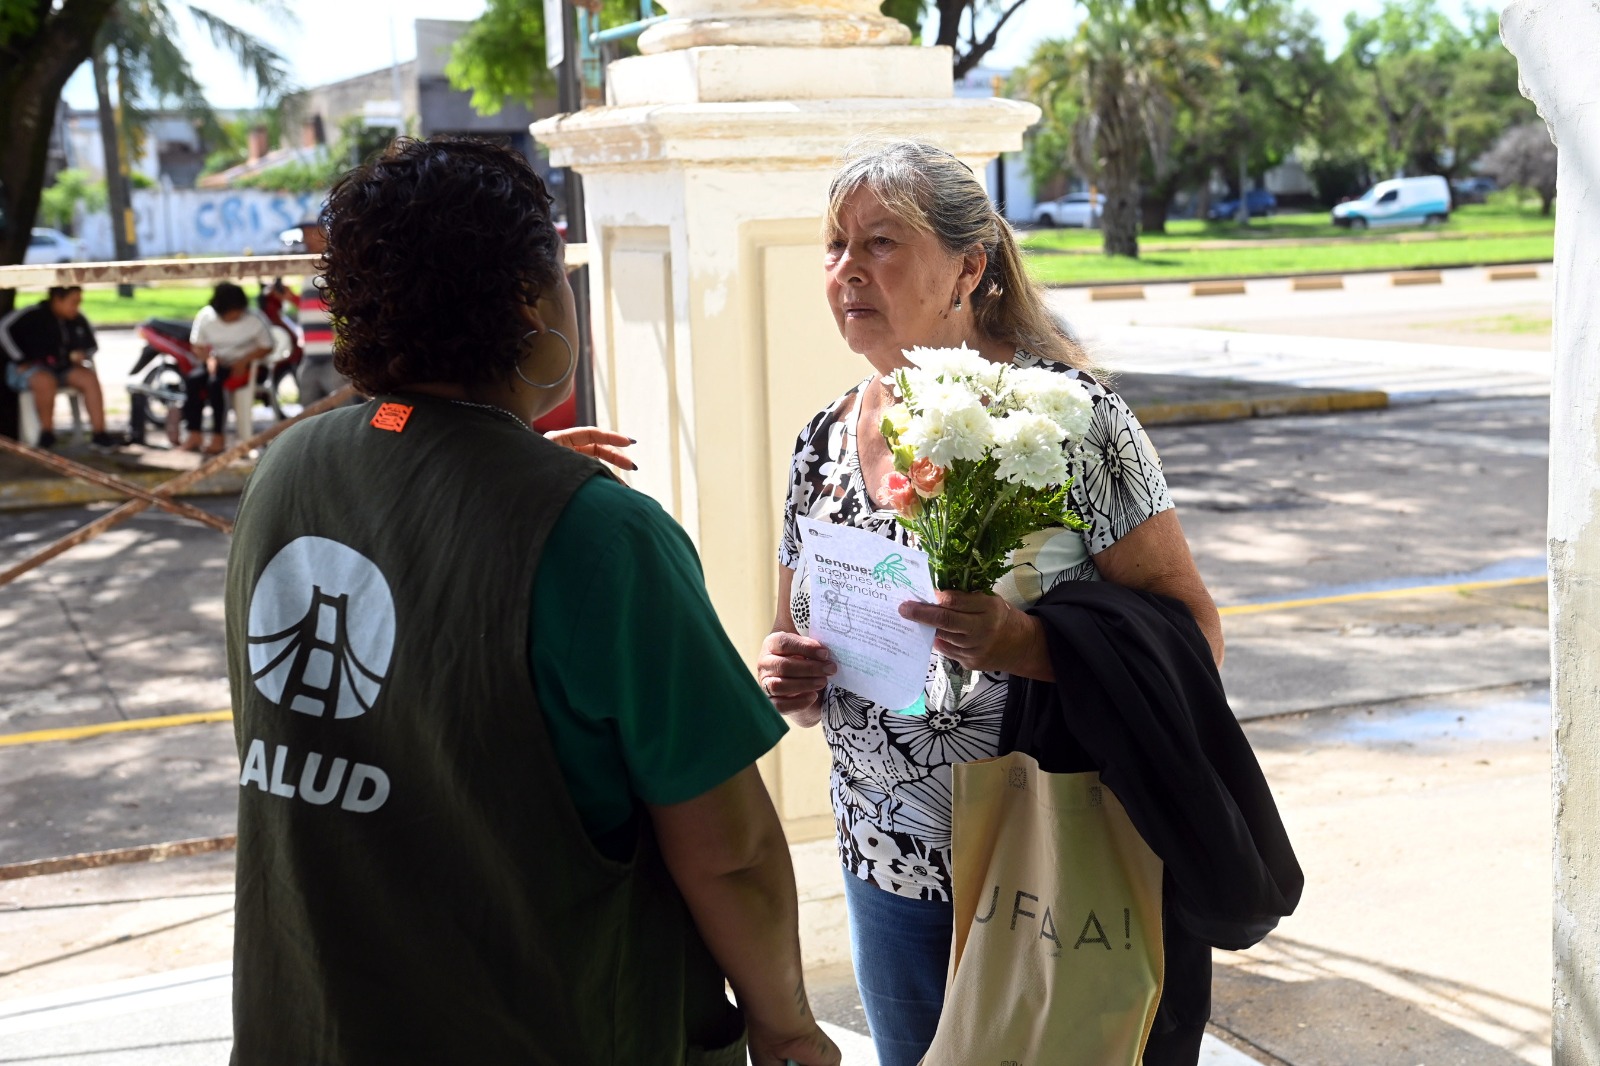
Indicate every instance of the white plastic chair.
{"type": "Point", "coordinates": [243, 400]}
{"type": "Point", "coordinates": [28, 415]}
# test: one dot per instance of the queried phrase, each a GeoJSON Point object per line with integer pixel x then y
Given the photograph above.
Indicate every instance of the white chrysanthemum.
{"type": "Point", "coordinates": [949, 423]}
{"type": "Point", "coordinates": [960, 364]}
{"type": "Point", "coordinates": [1029, 449]}
{"type": "Point", "coordinates": [950, 363]}
{"type": "Point", "coordinates": [1063, 400]}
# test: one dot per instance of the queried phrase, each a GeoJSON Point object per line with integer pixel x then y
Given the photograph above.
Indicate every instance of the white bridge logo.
{"type": "Point", "coordinates": [321, 629]}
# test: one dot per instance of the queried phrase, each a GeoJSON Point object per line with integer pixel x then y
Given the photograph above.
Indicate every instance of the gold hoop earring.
{"type": "Point", "coordinates": [572, 361]}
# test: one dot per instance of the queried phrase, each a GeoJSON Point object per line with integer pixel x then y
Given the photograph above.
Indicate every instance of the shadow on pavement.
{"type": "Point", "coordinates": [1295, 1006]}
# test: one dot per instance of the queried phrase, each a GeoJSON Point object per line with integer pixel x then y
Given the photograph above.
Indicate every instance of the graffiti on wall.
{"type": "Point", "coordinates": [204, 221]}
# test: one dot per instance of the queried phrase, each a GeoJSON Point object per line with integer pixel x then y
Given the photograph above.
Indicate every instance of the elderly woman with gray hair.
{"type": "Point", "coordinates": [916, 254]}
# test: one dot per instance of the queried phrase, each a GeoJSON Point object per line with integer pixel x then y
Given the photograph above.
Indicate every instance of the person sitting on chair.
{"type": "Point", "coordinates": [48, 347]}
{"type": "Point", "coordinates": [225, 333]}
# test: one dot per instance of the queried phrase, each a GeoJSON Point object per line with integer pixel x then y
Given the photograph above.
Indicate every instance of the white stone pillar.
{"type": "Point", "coordinates": [1557, 43]}
{"type": "Point", "coordinates": [706, 179]}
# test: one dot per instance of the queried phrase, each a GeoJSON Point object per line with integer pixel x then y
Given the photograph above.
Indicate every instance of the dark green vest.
{"type": "Point", "coordinates": [414, 883]}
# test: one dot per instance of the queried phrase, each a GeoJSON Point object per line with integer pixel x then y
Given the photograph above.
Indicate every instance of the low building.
{"type": "Point", "coordinates": [416, 96]}
{"type": "Point", "coordinates": [1008, 181]}
{"type": "Point", "coordinates": [174, 151]}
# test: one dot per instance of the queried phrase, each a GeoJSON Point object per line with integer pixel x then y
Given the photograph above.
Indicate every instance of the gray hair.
{"type": "Point", "coordinates": [932, 191]}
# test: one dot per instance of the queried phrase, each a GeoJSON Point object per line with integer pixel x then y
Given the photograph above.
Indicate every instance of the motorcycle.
{"type": "Point", "coordinates": [156, 383]}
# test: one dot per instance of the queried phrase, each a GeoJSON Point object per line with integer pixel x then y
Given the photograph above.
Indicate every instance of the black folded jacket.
{"type": "Point", "coordinates": [1138, 698]}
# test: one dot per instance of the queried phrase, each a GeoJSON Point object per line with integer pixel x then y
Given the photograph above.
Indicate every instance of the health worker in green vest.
{"type": "Point", "coordinates": [497, 794]}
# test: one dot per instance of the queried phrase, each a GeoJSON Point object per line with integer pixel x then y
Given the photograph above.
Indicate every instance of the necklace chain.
{"type": "Point", "coordinates": [492, 407]}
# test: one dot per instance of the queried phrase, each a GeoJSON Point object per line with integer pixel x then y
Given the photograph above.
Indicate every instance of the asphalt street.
{"type": "Point", "coordinates": [1401, 717]}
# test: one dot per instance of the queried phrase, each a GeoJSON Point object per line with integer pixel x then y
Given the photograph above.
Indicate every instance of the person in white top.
{"type": "Point", "coordinates": [225, 332]}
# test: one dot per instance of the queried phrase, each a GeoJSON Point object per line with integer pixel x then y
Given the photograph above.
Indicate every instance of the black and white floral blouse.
{"type": "Point", "coordinates": [891, 779]}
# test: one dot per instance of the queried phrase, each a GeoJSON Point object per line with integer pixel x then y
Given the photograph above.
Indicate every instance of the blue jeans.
{"type": "Point", "coordinates": [901, 949]}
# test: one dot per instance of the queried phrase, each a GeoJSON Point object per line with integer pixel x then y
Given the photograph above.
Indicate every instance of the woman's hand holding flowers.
{"type": "Point", "coordinates": [982, 632]}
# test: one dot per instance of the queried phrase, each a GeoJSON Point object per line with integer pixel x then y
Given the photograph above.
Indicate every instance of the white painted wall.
{"type": "Point", "coordinates": [1557, 43]}
{"type": "Point", "coordinates": [705, 181]}
{"type": "Point", "coordinates": [203, 221]}
{"type": "Point", "coordinates": [978, 84]}
{"type": "Point", "coordinates": [86, 150]}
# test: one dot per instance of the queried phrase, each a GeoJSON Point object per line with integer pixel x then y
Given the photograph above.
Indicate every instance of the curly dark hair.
{"type": "Point", "coordinates": [228, 297]}
{"type": "Point", "coordinates": [431, 246]}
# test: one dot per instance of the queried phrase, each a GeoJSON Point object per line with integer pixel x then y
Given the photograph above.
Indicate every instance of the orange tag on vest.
{"type": "Point", "coordinates": [391, 416]}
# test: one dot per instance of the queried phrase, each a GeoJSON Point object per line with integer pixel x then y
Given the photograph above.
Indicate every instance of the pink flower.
{"type": "Point", "coordinates": [927, 478]}
{"type": "Point", "coordinates": [898, 492]}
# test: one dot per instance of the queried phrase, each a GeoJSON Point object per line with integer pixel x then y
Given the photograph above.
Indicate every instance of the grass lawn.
{"type": "Point", "coordinates": [1362, 254]}
{"type": "Point", "coordinates": [104, 308]}
{"type": "Point", "coordinates": [1501, 217]}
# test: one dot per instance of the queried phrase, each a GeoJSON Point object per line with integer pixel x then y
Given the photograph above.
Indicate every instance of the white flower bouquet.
{"type": "Point", "coordinates": [983, 456]}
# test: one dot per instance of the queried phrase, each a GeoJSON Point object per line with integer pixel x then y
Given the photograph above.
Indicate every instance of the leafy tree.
{"type": "Point", "coordinates": [1106, 92]}
{"type": "Point", "coordinates": [957, 22]}
{"type": "Point", "coordinates": [1275, 87]}
{"type": "Point", "coordinates": [58, 206]}
{"type": "Point", "coordinates": [1525, 156]}
{"type": "Point", "coordinates": [43, 41]}
{"type": "Point", "coordinates": [501, 56]}
{"type": "Point", "coordinates": [1484, 99]}
{"type": "Point", "coordinates": [141, 41]}
{"type": "Point", "coordinates": [1436, 93]}
{"type": "Point", "coordinates": [355, 143]}
{"type": "Point", "coordinates": [1234, 93]}
{"type": "Point", "coordinates": [228, 138]}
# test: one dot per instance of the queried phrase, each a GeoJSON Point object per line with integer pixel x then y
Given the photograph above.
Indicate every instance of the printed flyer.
{"type": "Point", "coordinates": [857, 581]}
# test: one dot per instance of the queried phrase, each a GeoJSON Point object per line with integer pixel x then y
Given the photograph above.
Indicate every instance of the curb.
{"type": "Point", "coordinates": [1189, 412]}
{"type": "Point", "coordinates": [64, 492]}
{"type": "Point", "coordinates": [1336, 277]}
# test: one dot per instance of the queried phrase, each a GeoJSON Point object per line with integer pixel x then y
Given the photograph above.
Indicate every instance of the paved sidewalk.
{"type": "Point", "coordinates": [183, 1018]}
{"type": "Point", "coordinates": [1408, 373]}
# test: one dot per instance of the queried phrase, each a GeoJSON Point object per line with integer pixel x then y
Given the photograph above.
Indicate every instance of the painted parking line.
{"type": "Point", "coordinates": [1458, 587]}
{"type": "Point", "coordinates": [1380, 594]}
{"type": "Point", "coordinates": [78, 732]}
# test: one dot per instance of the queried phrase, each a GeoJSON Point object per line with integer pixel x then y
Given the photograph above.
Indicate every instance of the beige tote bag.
{"type": "Point", "coordinates": [1057, 959]}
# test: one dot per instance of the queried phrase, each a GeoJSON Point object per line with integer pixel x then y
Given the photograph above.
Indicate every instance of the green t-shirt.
{"type": "Point", "coordinates": [645, 697]}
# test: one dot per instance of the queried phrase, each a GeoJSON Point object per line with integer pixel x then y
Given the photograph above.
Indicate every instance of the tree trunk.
{"type": "Point", "coordinates": [1120, 223]}
{"type": "Point", "coordinates": [1545, 200]}
{"type": "Point", "coordinates": [1244, 189]}
{"type": "Point", "coordinates": [1156, 204]}
{"type": "Point", "coordinates": [949, 31]}
{"type": "Point", "coordinates": [1202, 201]}
{"type": "Point", "coordinates": [117, 202]}
{"type": "Point", "coordinates": [33, 69]}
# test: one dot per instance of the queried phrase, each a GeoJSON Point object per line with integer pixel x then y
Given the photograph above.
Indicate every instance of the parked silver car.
{"type": "Point", "coordinates": [49, 246]}
{"type": "Point", "coordinates": [1073, 209]}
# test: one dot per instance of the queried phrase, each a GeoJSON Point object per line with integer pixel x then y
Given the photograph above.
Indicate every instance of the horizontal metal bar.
{"type": "Point", "coordinates": [80, 472]}
{"type": "Point", "coordinates": [165, 395]}
{"type": "Point", "coordinates": [624, 32]}
{"type": "Point", "coordinates": [249, 266]}
{"type": "Point", "coordinates": [246, 266]}
{"type": "Point", "coordinates": [214, 465]}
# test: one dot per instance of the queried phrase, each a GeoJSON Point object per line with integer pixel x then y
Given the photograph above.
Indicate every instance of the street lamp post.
{"type": "Point", "coordinates": [570, 98]}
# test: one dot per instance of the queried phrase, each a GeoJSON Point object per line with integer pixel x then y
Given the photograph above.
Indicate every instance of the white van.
{"type": "Point", "coordinates": [1398, 202]}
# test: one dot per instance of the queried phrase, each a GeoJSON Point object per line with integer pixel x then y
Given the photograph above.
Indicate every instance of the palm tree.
{"type": "Point", "coordinates": [1107, 85]}
{"type": "Point", "coordinates": [140, 41]}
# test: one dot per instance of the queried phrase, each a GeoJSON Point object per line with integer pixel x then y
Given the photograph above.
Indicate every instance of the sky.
{"type": "Point", "coordinates": [336, 39]}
